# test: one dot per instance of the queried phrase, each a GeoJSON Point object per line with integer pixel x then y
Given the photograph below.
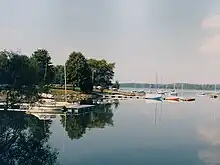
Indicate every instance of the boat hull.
{"type": "Point", "coordinates": [187, 99]}
{"type": "Point", "coordinates": [172, 98]}
{"type": "Point", "coordinates": [153, 96]}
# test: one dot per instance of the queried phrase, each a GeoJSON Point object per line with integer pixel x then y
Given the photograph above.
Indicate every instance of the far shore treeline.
{"type": "Point", "coordinates": [171, 86]}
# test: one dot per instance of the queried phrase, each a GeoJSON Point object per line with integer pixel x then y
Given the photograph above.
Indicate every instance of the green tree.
{"type": "Point", "coordinates": [76, 124]}
{"type": "Point", "coordinates": [78, 72]}
{"type": "Point", "coordinates": [103, 72]}
{"type": "Point", "coordinates": [116, 85]}
{"type": "Point", "coordinates": [46, 71]}
{"type": "Point", "coordinates": [4, 63]}
{"type": "Point", "coordinates": [24, 140]}
{"type": "Point", "coordinates": [59, 75]}
{"type": "Point", "coordinates": [19, 77]}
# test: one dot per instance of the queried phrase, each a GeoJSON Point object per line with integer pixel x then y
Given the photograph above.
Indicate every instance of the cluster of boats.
{"type": "Point", "coordinates": [167, 95]}
{"type": "Point", "coordinates": [211, 95]}
{"type": "Point", "coordinates": [46, 103]}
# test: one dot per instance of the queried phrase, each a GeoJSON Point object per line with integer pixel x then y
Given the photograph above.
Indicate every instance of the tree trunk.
{"type": "Point", "coordinates": [7, 101]}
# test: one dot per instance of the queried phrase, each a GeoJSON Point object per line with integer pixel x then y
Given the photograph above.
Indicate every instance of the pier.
{"type": "Point", "coordinates": [122, 97]}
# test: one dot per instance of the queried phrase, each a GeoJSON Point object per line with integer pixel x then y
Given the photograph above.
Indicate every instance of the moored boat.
{"type": "Point", "coordinates": [173, 93]}
{"type": "Point", "coordinates": [187, 99]}
{"type": "Point", "coordinates": [153, 96]}
{"type": "Point", "coordinates": [214, 96]}
{"type": "Point", "coordinates": [172, 98]}
{"type": "Point", "coordinates": [201, 94]}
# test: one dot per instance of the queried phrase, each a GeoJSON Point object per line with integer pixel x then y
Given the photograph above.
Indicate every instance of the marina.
{"type": "Point", "coordinates": [104, 122]}
{"type": "Point", "coordinates": [110, 82]}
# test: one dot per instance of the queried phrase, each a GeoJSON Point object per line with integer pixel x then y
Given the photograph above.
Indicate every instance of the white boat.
{"type": "Point", "coordinates": [44, 116]}
{"type": "Point", "coordinates": [201, 94]}
{"type": "Point", "coordinates": [15, 107]}
{"type": "Point", "coordinates": [51, 103]}
{"type": "Point", "coordinates": [173, 93]}
{"type": "Point", "coordinates": [153, 96]}
{"type": "Point", "coordinates": [162, 92]}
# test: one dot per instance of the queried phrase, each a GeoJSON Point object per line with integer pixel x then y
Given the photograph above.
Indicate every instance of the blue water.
{"type": "Point", "coordinates": [139, 132]}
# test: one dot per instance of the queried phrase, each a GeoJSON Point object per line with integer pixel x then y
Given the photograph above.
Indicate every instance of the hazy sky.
{"type": "Point", "coordinates": [179, 39]}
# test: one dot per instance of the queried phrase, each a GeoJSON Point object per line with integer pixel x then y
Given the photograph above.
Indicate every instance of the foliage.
{"type": "Point", "coordinates": [59, 75]}
{"type": "Point", "coordinates": [19, 75]}
{"type": "Point", "coordinates": [78, 72]}
{"type": "Point", "coordinates": [46, 71]}
{"type": "Point", "coordinates": [103, 72]}
{"type": "Point", "coordinates": [4, 66]}
{"type": "Point", "coordinates": [76, 125]}
{"type": "Point", "coordinates": [24, 140]}
{"type": "Point", "coordinates": [116, 85]}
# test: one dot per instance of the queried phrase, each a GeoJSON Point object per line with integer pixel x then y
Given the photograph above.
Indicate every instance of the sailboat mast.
{"type": "Point", "coordinates": [65, 81]}
{"type": "Point", "coordinates": [182, 89]}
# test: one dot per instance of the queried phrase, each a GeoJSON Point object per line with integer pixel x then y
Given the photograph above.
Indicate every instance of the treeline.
{"type": "Point", "coordinates": [171, 86]}
{"type": "Point", "coordinates": [85, 73]}
{"type": "Point", "coordinates": [22, 77]}
{"type": "Point", "coordinates": [18, 71]}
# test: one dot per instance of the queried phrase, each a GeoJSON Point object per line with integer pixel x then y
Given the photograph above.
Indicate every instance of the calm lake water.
{"type": "Point", "coordinates": [131, 132]}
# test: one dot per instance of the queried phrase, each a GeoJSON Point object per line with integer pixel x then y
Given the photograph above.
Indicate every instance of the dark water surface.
{"type": "Point", "coordinates": [135, 132]}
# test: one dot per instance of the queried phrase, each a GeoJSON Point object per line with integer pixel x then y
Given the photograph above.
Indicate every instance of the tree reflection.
{"type": "Point", "coordinates": [23, 140]}
{"type": "Point", "coordinates": [76, 125]}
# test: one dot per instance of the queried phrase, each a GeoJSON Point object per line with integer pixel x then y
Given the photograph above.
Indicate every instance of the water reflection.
{"type": "Point", "coordinates": [158, 112]}
{"type": "Point", "coordinates": [76, 125]}
{"type": "Point", "coordinates": [23, 140]}
{"type": "Point", "coordinates": [140, 133]}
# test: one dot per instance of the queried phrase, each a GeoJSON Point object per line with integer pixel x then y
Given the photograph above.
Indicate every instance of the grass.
{"type": "Point", "coordinates": [62, 92]}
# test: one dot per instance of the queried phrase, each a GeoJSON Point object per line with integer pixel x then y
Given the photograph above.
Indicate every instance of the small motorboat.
{"type": "Point", "coordinates": [173, 93]}
{"type": "Point", "coordinates": [172, 98]}
{"type": "Point", "coordinates": [187, 99]}
{"type": "Point", "coordinates": [162, 92]}
{"type": "Point", "coordinates": [201, 94]}
{"type": "Point", "coordinates": [153, 96]}
{"type": "Point", "coordinates": [213, 96]}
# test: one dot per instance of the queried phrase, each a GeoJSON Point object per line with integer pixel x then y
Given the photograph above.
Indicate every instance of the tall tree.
{"type": "Point", "coordinates": [59, 75]}
{"type": "Point", "coordinates": [103, 72]}
{"type": "Point", "coordinates": [19, 77]}
{"type": "Point", "coordinates": [116, 85]}
{"type": "Point", "coordinates": [46, 70]}
{"type": "Point", "coordinates": [78, 72]}
{"type": "Point", "coordinates": [4, 63]}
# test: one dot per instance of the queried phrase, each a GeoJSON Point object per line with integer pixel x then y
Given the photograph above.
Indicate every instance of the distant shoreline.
{"type": "Point", "coordinates": [171, 86]}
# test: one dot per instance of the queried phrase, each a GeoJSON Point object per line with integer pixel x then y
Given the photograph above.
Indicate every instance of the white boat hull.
{"type": "Point", "coordinates": [153, 96]}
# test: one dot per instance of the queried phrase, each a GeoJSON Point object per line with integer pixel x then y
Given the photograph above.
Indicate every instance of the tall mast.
{"type": "Point", "coordinates": [65, 81]}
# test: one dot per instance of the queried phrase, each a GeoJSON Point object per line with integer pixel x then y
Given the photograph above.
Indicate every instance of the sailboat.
{"type": "Point", "coordinates": [161, 91]}
{"type": "Point", "coordinates": [173, 92]}
{"type": "Point", "coordinates": [214, 95]}
{"type": "Point", "coordinates": [202, 93]}
{"type": "Point", "coordinates": [186, 98]}
{"type": "Point", "coordinates": [49, 103]}
{"type": "Point", "coordinates": [153, 96]}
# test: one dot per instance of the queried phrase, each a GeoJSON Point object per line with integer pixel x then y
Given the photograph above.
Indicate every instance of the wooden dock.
{"type": "Point", "coordinates": [122, 97]}
{"type": "Point", "coordinates": [74, 108]}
